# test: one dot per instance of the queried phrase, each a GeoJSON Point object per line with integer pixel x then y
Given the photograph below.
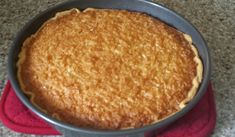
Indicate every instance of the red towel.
{"type": "Point", "coordinates": [199, 122]}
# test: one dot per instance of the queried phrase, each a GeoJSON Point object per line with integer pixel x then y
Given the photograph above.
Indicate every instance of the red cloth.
{"type": "Point", "coordinates": [199, 122]}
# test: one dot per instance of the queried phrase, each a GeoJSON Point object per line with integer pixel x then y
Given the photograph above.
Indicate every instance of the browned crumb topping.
{"type": "Point", "coordinates": [107, 69]}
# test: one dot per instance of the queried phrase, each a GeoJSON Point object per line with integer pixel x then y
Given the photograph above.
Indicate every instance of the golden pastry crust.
{"type": "Point", "coordinates": [109, 69]}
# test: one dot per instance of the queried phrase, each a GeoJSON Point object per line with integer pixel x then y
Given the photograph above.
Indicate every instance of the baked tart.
{"type": "Point", "coordinates": [108, 69]}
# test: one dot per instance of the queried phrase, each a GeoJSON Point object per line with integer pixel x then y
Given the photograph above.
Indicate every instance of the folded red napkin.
{"type": "Point", "coordinates": [199, 122]}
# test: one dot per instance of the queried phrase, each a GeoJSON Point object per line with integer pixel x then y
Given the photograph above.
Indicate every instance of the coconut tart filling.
{"type": "Point", "coordinates": [109, 69]}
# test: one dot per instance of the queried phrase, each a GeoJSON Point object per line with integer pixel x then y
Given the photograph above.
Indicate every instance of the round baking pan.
{"type": "Point", "coordinates": [166, 15]}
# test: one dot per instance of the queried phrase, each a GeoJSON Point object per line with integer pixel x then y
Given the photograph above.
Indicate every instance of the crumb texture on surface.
{"type": "Point", "coordinates": [108, 69]}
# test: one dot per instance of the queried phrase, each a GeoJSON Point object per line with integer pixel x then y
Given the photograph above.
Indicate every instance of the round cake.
{"type": "Point", "coordinates": [108, 69]}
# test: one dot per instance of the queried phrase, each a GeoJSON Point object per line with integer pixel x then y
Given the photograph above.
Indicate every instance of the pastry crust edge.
{"type": "Point", "coordinates": [192, 92]}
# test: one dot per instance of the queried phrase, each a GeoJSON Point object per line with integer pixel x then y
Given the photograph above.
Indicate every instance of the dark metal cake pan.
{"type": "Point", "coordinates": [158, 11]}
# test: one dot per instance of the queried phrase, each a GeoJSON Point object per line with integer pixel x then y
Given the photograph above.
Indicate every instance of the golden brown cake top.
{"type": "Point", "coordinates": [109, 69]}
